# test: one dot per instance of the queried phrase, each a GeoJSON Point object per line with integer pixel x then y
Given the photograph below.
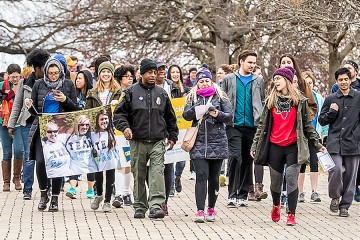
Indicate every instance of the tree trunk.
{"type": "Point", "coordinates": [221, 52]}
{"type": "Point", "coordinates": [334, 64]}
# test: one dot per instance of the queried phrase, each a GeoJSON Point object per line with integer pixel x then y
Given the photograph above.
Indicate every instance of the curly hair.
{"type": "Point", "coordinates": [121, 71]}
{"type": "Point", "coordinates": [226, 68]}
{"type": "Point", "coordinates": [37, 58]}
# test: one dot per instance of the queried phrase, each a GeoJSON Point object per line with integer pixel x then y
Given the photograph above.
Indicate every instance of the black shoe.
{"type": "Point", "coordinates": [127, 200]}
{"type": "Point", "coordinates": [139, 213]}
{"type": "Point", "coordinates": [334, 205]}
{"type": "Point", "coordinates": [43, 202]}
{"type": "Point", "coordinates": [54, 204]}
{"type": "Point", "coordinates": [27, 194]}
{"type": "Point", "coordinates": [178, 186]}
{"type": "Point", "coordinates": [344, 212]}
{"type": "Point", "coordinates": [156, 213]}
{"type": "Point", "coordinates": [118, 202]}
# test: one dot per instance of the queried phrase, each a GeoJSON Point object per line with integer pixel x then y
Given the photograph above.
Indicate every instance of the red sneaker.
{"type": "Point", "coordinates": [275, 213]}
{"type": "Point", "coordinates": [291, 220]}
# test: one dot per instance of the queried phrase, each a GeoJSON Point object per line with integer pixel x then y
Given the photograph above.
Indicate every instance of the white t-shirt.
{"type": "Point", "coordinates": [104, 97]}
{"type": "Point", "coordinates": [106, 159]}
{"type": "Point", "coordinates": [80, 149]}
{"type": "Point", "coordinates": [57, 158]}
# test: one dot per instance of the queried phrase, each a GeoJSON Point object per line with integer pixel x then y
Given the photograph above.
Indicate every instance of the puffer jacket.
{"type": "Point", "coordinates": [38, 94]}
{"type": "Point", "coordinates": [305, 133]}
{"type": "Point", "coordinates": [211, 141]}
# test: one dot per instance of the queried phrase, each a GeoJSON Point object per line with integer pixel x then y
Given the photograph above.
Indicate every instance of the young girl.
{"type": "Point", "coordinates": [282, 138]}
{"type": "Point", "coordinates": [211, 145]}
{"type": "Point", "coordinates": [107, 91]}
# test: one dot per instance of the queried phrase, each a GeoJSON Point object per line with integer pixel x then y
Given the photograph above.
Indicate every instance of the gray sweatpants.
{"type": "Point", "coordinates": [342, 178]}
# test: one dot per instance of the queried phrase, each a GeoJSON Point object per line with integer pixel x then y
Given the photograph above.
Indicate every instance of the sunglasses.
{"type": "Point", "coordinates": [52, 131]}
{"type": "Point", "coordinates": [84, 124]}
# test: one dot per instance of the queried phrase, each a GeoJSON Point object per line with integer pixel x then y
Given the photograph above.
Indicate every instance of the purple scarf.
{"type": "Point", "coordinates": [206, 92]}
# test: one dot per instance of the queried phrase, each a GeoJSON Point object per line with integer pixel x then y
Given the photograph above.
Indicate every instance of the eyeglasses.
{"type": "Point", "coordinates": [128, 76]}
{"type": "Point", "coordinates": [53, 73]}
{"type": "Point", "coordinates": [52, 131]}
{"type": "Point", "coordinates": [84, 124]}
{"type": "Point", "coordinates": [15, 77]}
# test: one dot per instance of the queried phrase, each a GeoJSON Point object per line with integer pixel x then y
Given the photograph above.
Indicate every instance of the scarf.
{"type": "Point", "coordinates": [206, 92]}
{"type": "Point", "coordinates": [59, 82]}
{"type": "Point", "coordinates": [7, 103]}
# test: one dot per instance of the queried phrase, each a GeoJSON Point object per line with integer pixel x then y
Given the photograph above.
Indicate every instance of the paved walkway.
{"type": "Point", "coordinates": [20, 219]}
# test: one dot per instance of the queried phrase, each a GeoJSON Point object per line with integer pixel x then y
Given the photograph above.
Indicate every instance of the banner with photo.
{"type": "Point", "coordinates": [85, 141]}
{"type": "Point", "coordinates": [79, 142]}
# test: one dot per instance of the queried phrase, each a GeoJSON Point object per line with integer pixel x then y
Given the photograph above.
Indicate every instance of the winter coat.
{"type": "Point", "coordinates": [211, 141]}
{"type": "Point", "coordinates": [93, 100]}
{"type": "Point", "coordinates": [148, 112]}
{"type": "Point", "coordinates": [257, 92]}
{"type": "Point", "coordinates": [344, 125]}
{"type": "Point", "coordinates": [305, 133]}
{"type": "Point", "coordinates": [38, 95]}
{"type": "Point", "coordinates": [20, 114]}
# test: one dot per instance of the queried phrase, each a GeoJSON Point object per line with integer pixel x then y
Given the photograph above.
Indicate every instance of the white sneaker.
{"type": "Point", "coordinates": [242, 202]}
{"type": "Point", "coordinates": [192, 176]}
{"type": "Point", "coordinates": [232, 203]}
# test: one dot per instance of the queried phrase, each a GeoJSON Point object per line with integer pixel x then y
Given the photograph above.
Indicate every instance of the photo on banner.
{"type": "Point", "coordinates": [79, 142]}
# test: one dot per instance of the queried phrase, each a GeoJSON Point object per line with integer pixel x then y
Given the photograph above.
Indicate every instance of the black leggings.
{"type": "Point", "coordinates": [314, 167]}
{"type": "Point", "coordinates": [207, 181]}
{"type": "Point", "coordinates": [41, 169]}
{"type": "Point", "coordinates": [90, 177]}
{"type": "Point", "coordinates": [168, 173]}
{"type": "Point", "coordinates": [110, 179]}
{"type": "Point", "coordinates": [259, 173]}
{"type": "Point", "coordinates": [279, 157]}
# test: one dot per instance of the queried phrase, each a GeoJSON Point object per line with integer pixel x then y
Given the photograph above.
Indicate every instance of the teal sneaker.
{"type": "Point", "coordinates": [90, 193]}
{"type": "Point", "coordinates": [71, 193]}
{"type": "Point", "coordinates": [357, 195]}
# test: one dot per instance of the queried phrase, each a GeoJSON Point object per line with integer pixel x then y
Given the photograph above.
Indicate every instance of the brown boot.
{"type": "Point", "coordinates": [259, 193]}
{"type": "Point", "coordinates": [251, 194]}
{"type": "Point", "coordinates": [6, 170]}
{"type": "Point", "coordinates": [17, 171]}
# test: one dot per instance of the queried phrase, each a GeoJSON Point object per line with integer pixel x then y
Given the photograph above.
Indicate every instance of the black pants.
{"type": "Point", "coordinates": [110, 179]}
{"type": "Point", "coordinates": [207, 181]}
{"type": "Point", "coordinates": [41, 169]}
{"type": "Point", "coordinates": [90, 177]}
{"type": "Point", "coordinates": [168, 173]}
{"type": "Point", "coordinates": [259, 173]}
{"type": "Point", "coordinates": [279, 157]}
{"type": "Point", "coordinates": [240, 162]}
{"type": "Point", "coordinates": [314, 167]}
{"type": "Point", "coordinates": [192, 168]}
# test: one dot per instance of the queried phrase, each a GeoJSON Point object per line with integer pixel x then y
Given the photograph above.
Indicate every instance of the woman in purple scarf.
{"type": "Point", "coordinates": [207, 106]}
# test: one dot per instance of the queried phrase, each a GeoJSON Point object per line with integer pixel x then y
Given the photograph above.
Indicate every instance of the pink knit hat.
{"type": "Point", "coordinates": [286, 72]}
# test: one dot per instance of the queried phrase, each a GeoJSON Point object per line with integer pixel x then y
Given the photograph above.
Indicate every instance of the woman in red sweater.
{"type": "Point", "coordinates": [281, 139]}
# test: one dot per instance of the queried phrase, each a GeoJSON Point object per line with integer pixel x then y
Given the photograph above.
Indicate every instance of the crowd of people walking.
{"type": "Point", "coordinates": [243, 124]}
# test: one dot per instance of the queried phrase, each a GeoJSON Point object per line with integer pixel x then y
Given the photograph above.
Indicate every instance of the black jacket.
{"type": "Point", "coordinates": [211, 141]}
{"type": "Point", "coordinates": [344, 125]}
{"type": "Point", "coordinates": [38, 94]}
{"type": "Point", "coordinates": [148, 112]}
{"type": "Point", "coordinates": [175, 90]}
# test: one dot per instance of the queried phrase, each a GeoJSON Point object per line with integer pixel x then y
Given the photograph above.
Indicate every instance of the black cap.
{"type": "Point", "coordinates": [147, 64]}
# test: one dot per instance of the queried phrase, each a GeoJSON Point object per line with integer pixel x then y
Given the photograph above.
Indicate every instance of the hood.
{"type": "Point", "coordinates": [62, 59]}
{"type": "Point", "coordinates": [88, 79]}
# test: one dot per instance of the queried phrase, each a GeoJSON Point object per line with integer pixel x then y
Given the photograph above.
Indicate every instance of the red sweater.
{"type": "Point", "coordinates": [283, 132]}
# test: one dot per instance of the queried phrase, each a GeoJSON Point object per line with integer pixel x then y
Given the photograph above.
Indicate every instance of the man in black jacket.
{"type": "Point", "coordinates": [341, 111]}
{"type": "Point", "coordinates": [146, 117]}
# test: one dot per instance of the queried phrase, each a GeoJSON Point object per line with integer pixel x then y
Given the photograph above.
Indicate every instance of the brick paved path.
{"type": "Point", "coordinates": [20, 219]}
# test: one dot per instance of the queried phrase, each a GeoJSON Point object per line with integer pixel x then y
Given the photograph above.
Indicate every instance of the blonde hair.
{"type": "Point", "coordinates": [114, 85]}
{"type": "Point", "coordinates": [26, 72]}
{"type": "Point", "coordinates": [192, 96]}
{"type": "Point", "coordinates": [80, 119]}
{"type": "Point", "coordinates": [293, 92]}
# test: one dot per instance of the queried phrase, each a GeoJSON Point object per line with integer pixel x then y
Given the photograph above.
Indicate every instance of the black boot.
{"type": "Point", "coordinates": [44, 199]}
{"type": "Point", "coordinates": [54, 207]}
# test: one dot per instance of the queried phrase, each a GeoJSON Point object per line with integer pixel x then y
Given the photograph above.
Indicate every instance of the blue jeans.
{"type": "Point", "coordinates": [179, 168]}
{"type": "Point", "coordinates": [29, 165]}
{"type": "Point", "coordinates": [8, 144]}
